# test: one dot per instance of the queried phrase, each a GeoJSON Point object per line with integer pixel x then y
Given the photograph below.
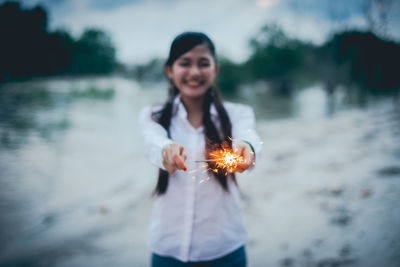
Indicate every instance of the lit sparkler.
{"type": "Point", "coordinates": [223, 159]}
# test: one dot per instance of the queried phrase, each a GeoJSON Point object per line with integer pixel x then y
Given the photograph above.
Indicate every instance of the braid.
{"type": "Point", "coordinates": [226, 124]}
{"type": "Point", "coordinates": [213, 139]}
{"type": "Point", "coordinates": [163, 117]}
{"type": "Point", "coordinates": [210, 130]}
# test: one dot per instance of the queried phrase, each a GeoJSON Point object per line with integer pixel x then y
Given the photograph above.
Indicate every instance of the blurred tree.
{"type": "Point", "coordinates": [24, 36]}
{"type": "Point", "coordinates": [27, 48]}
{"type": "Point", "coordinates": [230, 76]}
{"type": "Point", "coordinates": [275, 58]}
{"type": "Point", "coordinates": [60, 52]}
{"type": "Point", "coordinates": [152, 71]}
{"type": "Point", "coordinates": [363, 58]}
{"type": "Point", "coordinates": [93, 53]}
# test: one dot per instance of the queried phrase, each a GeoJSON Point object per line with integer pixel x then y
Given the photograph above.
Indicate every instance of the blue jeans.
{"type": "Point", "coordinates": [236, 258]}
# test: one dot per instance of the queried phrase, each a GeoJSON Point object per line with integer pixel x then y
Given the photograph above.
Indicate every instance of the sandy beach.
{"type": "Point", "coordinates": [76, 189]}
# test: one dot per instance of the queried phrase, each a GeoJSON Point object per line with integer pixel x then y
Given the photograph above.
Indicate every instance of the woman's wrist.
{"type": "Point", "coordinates": [252, 148]}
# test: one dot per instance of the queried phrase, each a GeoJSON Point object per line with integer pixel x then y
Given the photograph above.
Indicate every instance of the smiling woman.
{"type": "Point", "coordinates": [197, 216]}
{"type": "Point", "coordinates": [194, 72]}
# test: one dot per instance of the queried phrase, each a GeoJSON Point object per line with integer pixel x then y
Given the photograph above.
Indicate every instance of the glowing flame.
{"type": "Point", "coordinates": [221, 160]}
{"type": "Point", "coordinates": [225, 159]}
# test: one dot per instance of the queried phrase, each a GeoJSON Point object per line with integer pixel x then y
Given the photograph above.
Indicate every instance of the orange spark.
{"type": "Point", "coordinates": [225, 159]}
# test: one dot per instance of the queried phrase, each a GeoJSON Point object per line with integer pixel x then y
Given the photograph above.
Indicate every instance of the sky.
{"type": "Point", "coordinates": [142, 30]}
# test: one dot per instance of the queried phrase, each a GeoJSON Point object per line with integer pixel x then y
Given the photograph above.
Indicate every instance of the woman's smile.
{"type": "Point", "coordinates": [193, 83]}
{"type": "Point", "coordinates": [194, 72]}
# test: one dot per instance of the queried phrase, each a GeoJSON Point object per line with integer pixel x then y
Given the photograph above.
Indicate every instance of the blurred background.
{"type": "Point", "coordinates": [322, 76]}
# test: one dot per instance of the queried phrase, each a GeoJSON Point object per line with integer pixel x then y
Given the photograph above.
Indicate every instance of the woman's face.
{"type": "Point", "coordinates": [193, 72]}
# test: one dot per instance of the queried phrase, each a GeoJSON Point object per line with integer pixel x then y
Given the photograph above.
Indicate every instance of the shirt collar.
{"type": "Point", "coordinates": [179, 109]}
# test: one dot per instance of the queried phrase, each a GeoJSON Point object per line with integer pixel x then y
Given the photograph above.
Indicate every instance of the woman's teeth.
{"type": "Point", "coordinates": [192, 83]}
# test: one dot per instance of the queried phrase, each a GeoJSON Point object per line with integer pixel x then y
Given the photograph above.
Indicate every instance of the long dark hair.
{"type": "Point", "coordinates": [214, 139]}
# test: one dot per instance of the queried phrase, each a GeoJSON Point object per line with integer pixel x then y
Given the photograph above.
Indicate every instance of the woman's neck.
{"type": "Point", "coordinates": [193, 105]}
{"type": "Point", "coordinates": [194, 109]}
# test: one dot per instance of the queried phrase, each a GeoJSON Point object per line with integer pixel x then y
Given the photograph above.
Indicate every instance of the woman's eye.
{"type": "Point", "coordinates": [184, 64]}
{"type": "Point", "coordinates": [204, 64]}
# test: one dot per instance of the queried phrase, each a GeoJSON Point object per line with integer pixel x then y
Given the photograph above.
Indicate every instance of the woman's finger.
{"type": "Point", "coordinates": [179, 162]}
{"type": "Point", "coordinates": [248, 155]}
{"type": "Point", "coordinates": [183, 154]}
{"type": "Point", "coordinates": [170, 159]}
{"type": "Point", "coordinates": [177, 158]}
{"type": "Point", "coordinates": [166, 161]}
{"type": "Point", "coordinates": [243, 166]}
{"type": "Point", "coordinates": [244, 150]}
{"type": "Point", "coordinates": [237, 148]}
{"type": "Point", "coordinates": [174, 157]}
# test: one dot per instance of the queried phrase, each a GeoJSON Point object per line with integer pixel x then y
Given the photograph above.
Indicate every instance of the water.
{"type": "Point", "coordinates": [75, 188]}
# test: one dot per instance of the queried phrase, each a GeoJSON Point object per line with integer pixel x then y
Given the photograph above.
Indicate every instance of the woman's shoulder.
{"type": "Point", "coordinates": [235, 109]}
{"type": "Point", "coordinates": [147, 112]}
{"type": "Point", "coordinates": [229, 104]}
{"type": "Point", "coordinates": [151, 109]}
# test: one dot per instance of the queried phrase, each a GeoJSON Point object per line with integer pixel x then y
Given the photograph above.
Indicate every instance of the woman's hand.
{"type": "Point", "coordinates": [173, 157]}
{"type": "Point", "coordinates": [243, 149]}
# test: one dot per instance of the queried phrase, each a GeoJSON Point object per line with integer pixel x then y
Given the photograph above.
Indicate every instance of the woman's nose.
{"type": "Point", "coordinates": [194, 70]}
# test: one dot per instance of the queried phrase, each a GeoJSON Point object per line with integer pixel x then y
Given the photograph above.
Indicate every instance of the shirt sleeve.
{"type": "Point", "coordinates": [155, 137]}
{"type": "Point", "coordinates": [244, 126]}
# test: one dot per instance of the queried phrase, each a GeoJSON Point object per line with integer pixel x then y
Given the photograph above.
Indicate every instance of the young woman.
{"type": "Point", "coordinates": [197, 217]}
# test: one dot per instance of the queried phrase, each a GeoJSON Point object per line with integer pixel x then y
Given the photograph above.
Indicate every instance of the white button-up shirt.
{"type": "Point", "coordinates": [195, 220]}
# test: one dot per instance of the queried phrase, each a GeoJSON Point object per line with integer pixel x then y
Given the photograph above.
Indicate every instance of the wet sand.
{"type": "Point", "coordinates": [325, 191]}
